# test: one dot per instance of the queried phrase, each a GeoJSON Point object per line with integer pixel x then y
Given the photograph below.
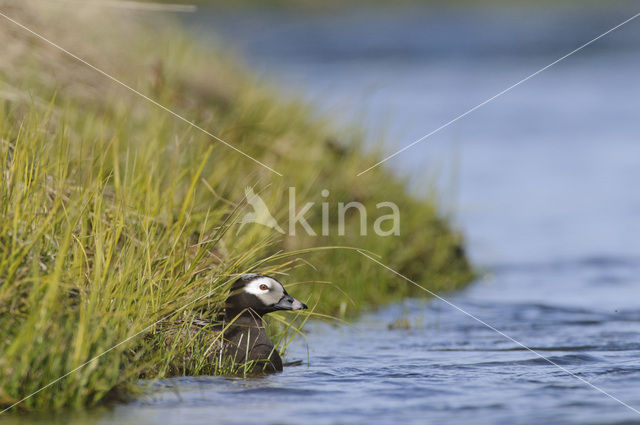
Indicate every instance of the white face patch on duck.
{"type": "Point", "coordinates": [269, 291]}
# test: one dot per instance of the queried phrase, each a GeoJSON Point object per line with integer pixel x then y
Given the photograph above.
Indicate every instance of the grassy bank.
{"type": "Point", "coordinates": [115, 214]}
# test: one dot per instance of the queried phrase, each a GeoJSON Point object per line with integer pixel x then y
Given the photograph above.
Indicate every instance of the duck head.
{"type": "Point", "coordinates": [261, 294]}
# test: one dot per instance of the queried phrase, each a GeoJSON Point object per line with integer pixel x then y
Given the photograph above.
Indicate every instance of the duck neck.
{"type": "Point", "coordinates": [244, 318]}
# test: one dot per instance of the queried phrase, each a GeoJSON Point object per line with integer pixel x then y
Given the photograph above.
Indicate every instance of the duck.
{"type": "Point", "coordinates": [245, 339]}
{"type": "Point", "coordinates": [238, 336]}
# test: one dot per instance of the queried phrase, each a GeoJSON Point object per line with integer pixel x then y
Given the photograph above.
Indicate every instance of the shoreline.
{"type": "Point", "coordinates": [117, 214]}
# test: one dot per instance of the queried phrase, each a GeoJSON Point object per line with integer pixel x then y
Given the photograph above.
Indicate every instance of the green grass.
{"type": "Point", "coordinates": [114, 214]}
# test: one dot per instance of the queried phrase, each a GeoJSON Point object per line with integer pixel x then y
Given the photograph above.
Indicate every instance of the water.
{"type": "Point", "coordinates": [545, 182]}
{"type": "Point", "coordinates": [447, 368]}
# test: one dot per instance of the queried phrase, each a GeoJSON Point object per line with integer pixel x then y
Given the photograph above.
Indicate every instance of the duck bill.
{"type": "Point", "coordinates": [289, 303]}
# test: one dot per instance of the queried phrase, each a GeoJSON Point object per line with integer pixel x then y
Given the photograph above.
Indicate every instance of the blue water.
{"type": "Point", "coordinates": [544, 182]}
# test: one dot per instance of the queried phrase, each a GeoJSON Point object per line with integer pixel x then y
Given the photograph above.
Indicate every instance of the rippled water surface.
{"type": "Point", "coordinates": [546, 186]}
{"type": "Point", "coordinates": [447, 368]}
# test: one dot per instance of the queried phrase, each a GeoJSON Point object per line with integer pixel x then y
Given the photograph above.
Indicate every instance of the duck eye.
{"type": "Point", "coordinates": [264, 287]}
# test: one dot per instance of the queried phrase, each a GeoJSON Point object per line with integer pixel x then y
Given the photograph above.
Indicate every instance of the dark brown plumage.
{"type": "Point", "coordinates": [239, 337]}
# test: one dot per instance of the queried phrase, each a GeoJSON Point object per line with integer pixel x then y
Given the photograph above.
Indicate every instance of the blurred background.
{"type": "Point", "coordinates": [545, 172]}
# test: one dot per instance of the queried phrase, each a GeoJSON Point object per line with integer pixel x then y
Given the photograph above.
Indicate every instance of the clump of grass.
{"type": "Point", "coordinates": [114, 215]}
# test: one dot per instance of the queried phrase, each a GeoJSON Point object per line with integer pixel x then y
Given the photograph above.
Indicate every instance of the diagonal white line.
{"type": "Point", "coordinates": [567, 371]}
{"type": "Point", "coordinates": [491, 99]}
{"type": "Point", "coordinates": [114, 79]}
{"type": "Point", "coordinates": [113, 348]}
